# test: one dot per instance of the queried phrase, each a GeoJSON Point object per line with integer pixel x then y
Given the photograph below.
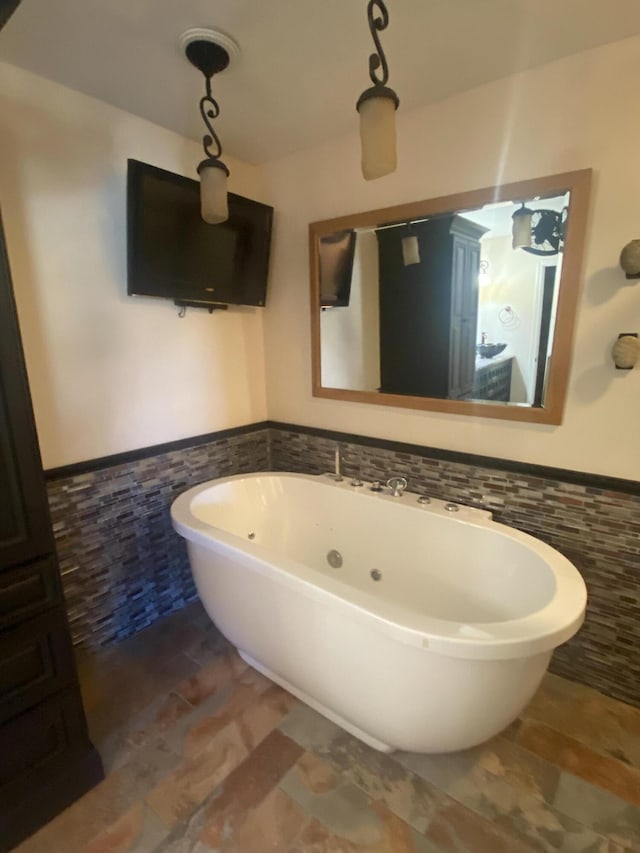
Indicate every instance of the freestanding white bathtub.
{"type": "Point", "coordinates": [432, 634]}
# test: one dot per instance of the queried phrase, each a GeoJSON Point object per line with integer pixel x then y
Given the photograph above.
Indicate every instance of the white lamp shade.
{"type": "Point", "coordinates": [378, 137]}
{"type": "Point", "coordinates": [213, 195]}
{"type": "Point", "coordinates": [521, 229]}
{"type": "Point", "coordinates": [410, 250]}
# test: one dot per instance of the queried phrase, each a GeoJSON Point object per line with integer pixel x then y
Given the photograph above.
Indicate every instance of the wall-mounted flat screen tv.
{"type": "Point", "coordinates": [173, 253]}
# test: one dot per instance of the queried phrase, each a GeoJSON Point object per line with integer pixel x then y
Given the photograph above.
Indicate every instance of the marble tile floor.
{"type": "Point", "coordinates": [203, 754]}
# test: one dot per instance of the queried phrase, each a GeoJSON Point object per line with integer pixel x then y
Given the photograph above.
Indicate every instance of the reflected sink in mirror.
{"type": "Point", "coordinates": [407, 301]}
{"type": "Point", "coordinates": [490, 350]}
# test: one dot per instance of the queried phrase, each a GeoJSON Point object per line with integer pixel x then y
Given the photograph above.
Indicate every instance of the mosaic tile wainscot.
{"type": "Point", "coordinates": [124, 567]}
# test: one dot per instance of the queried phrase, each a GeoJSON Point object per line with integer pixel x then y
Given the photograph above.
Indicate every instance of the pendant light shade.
{"type": "Point", "coordinates": [377, 106]}
{"type": "Point", "coordinates": [521, 228]}
{"type": "Point", "coordinates": [378, 135]}
{"type": "Point", "coordinates": [213, 192]}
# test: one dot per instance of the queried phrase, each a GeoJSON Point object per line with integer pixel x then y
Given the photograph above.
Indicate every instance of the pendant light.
{"type": "Point", "coordinates": [540, 231]}
{"type": "Point", "coordinates": [521, 227]}
{"type": "Point", "coordinates": [377, 105]}
{"type": "Point", "coordinates": [210, 52]}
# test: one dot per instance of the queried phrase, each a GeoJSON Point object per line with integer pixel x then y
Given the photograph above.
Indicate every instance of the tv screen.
{"type": "Point", "coordinates": [173, 253]}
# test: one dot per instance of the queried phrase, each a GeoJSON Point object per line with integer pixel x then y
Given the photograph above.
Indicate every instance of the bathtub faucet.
{"type": "Point", "coordinates": [397, 486]}
{"type": "Point", "coordinates": [336, 473]}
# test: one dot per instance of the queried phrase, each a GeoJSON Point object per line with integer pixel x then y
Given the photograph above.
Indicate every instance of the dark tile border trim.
{"type": "Point", "coordinates": [580, 478]}
{"type": "Point", "coordinates": [145, 452]}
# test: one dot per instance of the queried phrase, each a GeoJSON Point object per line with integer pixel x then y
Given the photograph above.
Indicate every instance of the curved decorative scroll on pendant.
{"type": "Point", "coordinates": [377, 104]}
{"type": "Point", "coordinates": [378, 59]}
{"type": "Point", "coordinates": [208, 114]}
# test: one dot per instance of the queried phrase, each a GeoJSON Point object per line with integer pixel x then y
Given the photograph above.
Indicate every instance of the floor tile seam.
{"type": "Point", "coordinates": [624, 804]}
{"type": "Point", "coordinates": [138, 831]}
{"type": "Point", "coordinates": [583, 778]}
{"type": "Point", "coordinates": [100, 822]}
{"type": "Point", "coordinates": [315, 818]}
{"type": "Point", "coordinates": [580, 690]}
{"type": "Point", "coordinates": [550, 803]}
{"type": "Point", "coordinates": [517, 833]}
{"type": "Point", "coordinates": [193, 761]}
{"type": "Point", "coordinates": [446, 799]}
{"type": "Point", "coordinates": [522, 844]}
{"type": "Point", "coordinates": [175, 693]}
{"type": "Point", "coordinates": [375, 800]}
{"type": "Point", "coordinates": [582, 740]}
{"type": "Point", "coordinates": [145, 802]}
{"type": "Point", "coordinates": [234, 681]}
{"type": "Point", "coordinates": [213, 795]}
{"type": "Point", "coordinates": [124, 728]}
{"type": "Point", "coordinates": [297, 839]}
{"type": "Point", "coordinates": [189, 653]}
{"type": "Point", "coordinates": [130, 722]}
{"type": "Point", "coordinates": [530, 795]}
{"type": "Point", "coordinates": [183, 759]}
{"type": "Point", "coordinates": [443, 797]}
{"type": "Point", "coordinates": [150, 805]}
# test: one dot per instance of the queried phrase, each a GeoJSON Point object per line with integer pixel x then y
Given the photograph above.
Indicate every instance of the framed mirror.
{"type": "Point", "coordinates": [461, 304]}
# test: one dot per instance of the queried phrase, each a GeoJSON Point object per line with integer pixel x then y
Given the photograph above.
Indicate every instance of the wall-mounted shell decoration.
{"type": "Point", "coordinates": [630, 259]}
{"type": "Point", "coordinates": [626, 351]}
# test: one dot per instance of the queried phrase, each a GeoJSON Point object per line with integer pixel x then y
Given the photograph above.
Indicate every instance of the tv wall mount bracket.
{"type": "Point", "coordinates": [183, 304]}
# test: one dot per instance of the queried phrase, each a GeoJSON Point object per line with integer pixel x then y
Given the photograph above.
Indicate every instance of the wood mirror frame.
{"type": "Point", "coordinates": [578, 184]}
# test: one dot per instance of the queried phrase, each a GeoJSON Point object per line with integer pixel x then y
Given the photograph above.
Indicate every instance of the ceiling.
{"type": "Point", "coordinates": [303, 63]}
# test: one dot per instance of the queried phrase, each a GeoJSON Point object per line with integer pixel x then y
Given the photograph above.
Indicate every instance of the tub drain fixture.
{"type": "Point", "coordinates": [251, 535]}
{"type": "Point", "coordinates": [376, 574]}
{"type": "Point", "coordinates": [334, 558]}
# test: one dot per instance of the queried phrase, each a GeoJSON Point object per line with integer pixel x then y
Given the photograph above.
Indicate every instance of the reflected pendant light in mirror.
{"type": "Point", "coordinates": [410, 250]}
{"type": "Point", "coordinates": [377, 105]}
{"type": "Point", "coordinates": [540, 231]}
{"type": "Point", "coordinates": [521, 231]}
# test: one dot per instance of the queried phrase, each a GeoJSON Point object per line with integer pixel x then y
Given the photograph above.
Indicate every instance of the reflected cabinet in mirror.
{"type": "Point", "coordinates": [462, 304]}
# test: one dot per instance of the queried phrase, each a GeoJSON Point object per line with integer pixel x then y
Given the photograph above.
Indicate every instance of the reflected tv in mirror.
{"type": "Point", "coordinates": [336, 268]}
{"type": "Point", "coordinates": [173, 253]}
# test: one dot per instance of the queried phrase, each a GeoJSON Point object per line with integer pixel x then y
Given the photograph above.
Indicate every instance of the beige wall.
{"type": "Point", "coordinates": [108, 372]}
{"type": "Point", "coordinates": [572, 114]}
{"type": "Point", "coordinates": [350, 334]}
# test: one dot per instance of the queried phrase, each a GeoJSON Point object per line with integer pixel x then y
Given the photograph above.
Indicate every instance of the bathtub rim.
{"type": "Point", "coordinates": [537, 632]}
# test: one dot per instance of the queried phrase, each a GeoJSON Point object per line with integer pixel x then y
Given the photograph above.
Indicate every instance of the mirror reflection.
{"type": "Point", "coordinates": [458, 305]}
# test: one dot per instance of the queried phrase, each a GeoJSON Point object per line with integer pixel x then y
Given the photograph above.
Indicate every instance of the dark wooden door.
{"type": "Point", "coordinates": [548, 286]}
{"type": "Point", "coordinates": [24, 514]}
{"type": "Point", "coordinates": [46, 758]}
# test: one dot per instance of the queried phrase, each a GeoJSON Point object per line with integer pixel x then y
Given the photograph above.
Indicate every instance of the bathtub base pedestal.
{"type": "Point", "coordinates": [312, 703]}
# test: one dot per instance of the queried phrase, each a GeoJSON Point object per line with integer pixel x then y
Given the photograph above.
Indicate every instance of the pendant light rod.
{"type": "Point", "coordinates": [209, 57]}
{"type": "Point", "coordinates": [377, 104]}
{"type": "Point", "coordinates": [210, 110]}
{"type": "Point", "coordinates": [378, 59]}
{"type": "Point", "coordinates": [210, 52]}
